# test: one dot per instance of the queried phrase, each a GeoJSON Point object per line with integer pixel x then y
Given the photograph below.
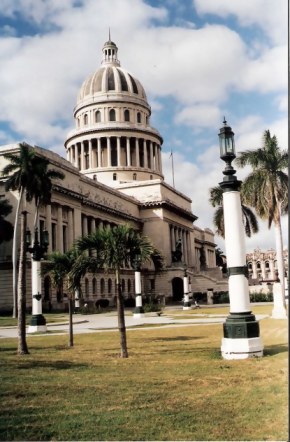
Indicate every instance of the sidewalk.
{"type": "Point", "coordinates": [109, 322]}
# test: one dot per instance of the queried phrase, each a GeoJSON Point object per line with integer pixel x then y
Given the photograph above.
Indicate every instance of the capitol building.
{"type": "Point", "coordinates": [113, 175]}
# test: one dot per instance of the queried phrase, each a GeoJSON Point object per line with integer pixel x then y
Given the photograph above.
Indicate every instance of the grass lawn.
{"type": "Point", "coordinates": [173, 386]}
{"type": "Point", "coordinates": [8, 321]}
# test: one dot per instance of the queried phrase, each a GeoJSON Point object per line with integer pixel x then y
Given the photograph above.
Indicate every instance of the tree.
{"type": "Point", "coordinates": [115, 249]}
{"type": "Point", "coordinates": [59, 265]}
{"type": "Point", "coordinates": [266, 189]}
{"type": "Point", "coordinates": [249, 218]}
{"type": "Point", "coordinates": [6, 228]}
{"type": "Point", "coordinates": [28, 174]}
{"type": "Point", "coordinates": [22, 344]}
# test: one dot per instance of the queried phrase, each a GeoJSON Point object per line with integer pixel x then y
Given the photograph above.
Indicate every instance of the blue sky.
{"type": "Point", "coordinates": [198, 60]}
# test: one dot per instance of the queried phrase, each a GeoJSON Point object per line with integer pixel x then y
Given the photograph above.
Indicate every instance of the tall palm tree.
{"type": "Point", "coordinates": [266, 189]}
{"type": "Point", "coordinates": [249, 218]}
{"type": "Point", "coordinates": [28, 174]}
{"type": "Point", "coordinates": [114, 249]}
{"type": "Point", "coordinates": [59, 265]}
{"type": "Point", "coordinates": [22, 344]}
{"type": "Point", "coordinates": [6, 228]}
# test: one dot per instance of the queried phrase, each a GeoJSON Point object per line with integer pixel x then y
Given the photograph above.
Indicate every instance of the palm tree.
{"type": "Point", "coordinates": [249, 218]}
{"type": "Point", "coordinates": [266, 189]}
{"type": "Point", "coordinates": [59, 265]}
{"type": "Point", "coordinates": [6, 228]}
{"type": "Point", "coordinates": [115, 249]}
{"type": "Point", "coordinates": [22, 344]}
{"type": "Point", "coordinates": [27, 173]}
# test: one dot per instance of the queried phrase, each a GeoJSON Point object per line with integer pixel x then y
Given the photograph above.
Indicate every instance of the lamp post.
{"type": "Point", "coordinates": [241, 329]}
{"type": "Point", "coordinates": [139, 311]}
{"type": "Point", "coordinates": [186, 302]}
{"type": "Point", "coordinates": [37, 250]}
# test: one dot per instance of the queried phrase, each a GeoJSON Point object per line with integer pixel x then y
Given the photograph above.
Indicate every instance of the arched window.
{"type": "Point", "coordinates": [267, 265]}
{"type": "Point", "coordinates": [134, 176]}
{"type": "Point", "coordinates": [87, 287]}
{"type": "Point", "coordinates": [112, 115]}
{"type": "Point", "coordinates": [138, 117]}
{"type": "Point", "coordinates": [114, 177]}
{"type": "Point", "coordinates": [102, 285]}
{"type": "Point", "coordinates": [85, 119]}
{"type": "Point", "coordinates": [250, 266]}
{"type": "Point", "coordinates": [258, 265]}
{"type": "Point", "coordinates": [94, 282]}
{"type": "Point", "coordinates": [98, 116]}
{"type": "Point", "coordinates": [109, 285]}
{"type": "Point", "coordinates": [126, 115]}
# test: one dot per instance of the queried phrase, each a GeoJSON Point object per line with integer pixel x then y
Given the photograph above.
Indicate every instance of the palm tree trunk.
{"type": "Point", "coordinates": [70, 310]}
{"type": "Point", "coordinates": [280, 259]}
{"type": "Point", "coordinates": [14, 253]}
{"type": "Point", "coordinates": [22, 345]}
{"type": "Point", "coordinates": [121, 318]}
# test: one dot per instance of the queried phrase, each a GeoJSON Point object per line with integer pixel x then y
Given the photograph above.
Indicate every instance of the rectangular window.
{"type": "Point", "coordinates": [53, 237]}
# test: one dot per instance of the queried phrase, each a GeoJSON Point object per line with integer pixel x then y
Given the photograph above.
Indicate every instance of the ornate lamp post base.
{"type": "Point", "coordinates": [186, 306]}
{"type": "Point", "coordinates": [241, 337]}
{"type": "Point", "coordinates": [37, 324]}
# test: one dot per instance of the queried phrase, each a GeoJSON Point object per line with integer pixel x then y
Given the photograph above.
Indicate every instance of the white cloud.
{"type": "Point", "coordinates": [270, 16]}
{"type": "Point", "coordinates": [200, 115]}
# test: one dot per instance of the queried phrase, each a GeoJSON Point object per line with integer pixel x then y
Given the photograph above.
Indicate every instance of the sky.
{"type": "Point", "coordinates": [198, 60]}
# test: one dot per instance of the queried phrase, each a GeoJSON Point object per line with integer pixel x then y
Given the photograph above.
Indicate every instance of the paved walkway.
{"type": "Point", "coordinates": [109, 322]}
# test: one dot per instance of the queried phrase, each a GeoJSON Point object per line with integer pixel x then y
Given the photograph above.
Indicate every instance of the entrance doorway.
{"type": "Point", "coordinates": [177, 289]}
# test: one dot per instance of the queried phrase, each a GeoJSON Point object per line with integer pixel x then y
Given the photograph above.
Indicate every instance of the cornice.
{"type": "Point", "coordinates": [167, 204]}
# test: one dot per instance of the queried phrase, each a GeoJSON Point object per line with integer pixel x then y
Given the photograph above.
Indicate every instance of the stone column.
{"type": "Point", "coordinates": [70, 228]}
{"type": "Point", "coordinates": [90, 154]}
{"type": "Point", "coordinates": [145, 154]}
{"type": "Point", "coordinates": [186, 302]}
{"type": "Point", "coordinates": [109, 161]}
{"type": "Point", "coordinates": [128, 151]}
{"type": "Point", "coordinates": [99, 152]}
{"type": "Point", "coordinates": [77, 165]}
{"type": "Point", "coordinates": [151, 155]}
{"type": "Point", "coordinates": [59, 238]}
{"type": "Point", "coordinates": [83, 165]}
{"type": "Point", "coordinates": [137, 152]}
{"type": "Point", "coordinates": [118, 151]}
{"type": "Point", "coordinates": [48, 226]}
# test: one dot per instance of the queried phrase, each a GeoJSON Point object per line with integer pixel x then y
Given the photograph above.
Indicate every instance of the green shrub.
{"type": "Point", "coordinates": [221, 298]}
{"type": "Point", "coordinates": [152, 307]}
{"type": "Point", "coordinates": [261, 297]}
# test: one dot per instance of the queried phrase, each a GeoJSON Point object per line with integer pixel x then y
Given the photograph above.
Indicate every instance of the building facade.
{"type": "Point", "coordinates": [113, 175]}
{"type": "Point", "coordinates": [262, 265]}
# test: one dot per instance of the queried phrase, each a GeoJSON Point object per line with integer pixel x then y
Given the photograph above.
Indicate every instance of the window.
{"type": "Point", "coordinates": [129, 286]}
{"type": "Point", "coordinates": [112, 115]}
{"type": "Point", "coordinates": [258, 265]}
{"type": "Point", "coordinates": [53, 237]}
{"type": "Point", "coordinates": [85, 119]}
{"type": "Point", "coordinates": [123, 285]}
{"type": "Point", "coordinates": [114, 177]}
{"type": "Point", "coordinates": [98, 116]}
{"type": "Point", "coordinates": [109, 285]}
{"type": "Point", "coordinates": [94, 284]}
{"type": "Point", "coordinates": [127, 115]}
{"type": "Point", "coordinates": [87, 287]}
{"type": "Point", "coordinates": [267, 265]}
{"type": "Point", "coordinates": [138, 117]}
{"type": "Point", "coordinates": [102, 286]}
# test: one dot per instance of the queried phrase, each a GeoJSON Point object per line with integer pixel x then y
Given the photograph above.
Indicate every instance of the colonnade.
{"type": "Point", "coordinates": [115, 152]}
{"type": "Point", "coordinates": [262, 269]}
{"type": "Point", "coordinates": [176, 234]}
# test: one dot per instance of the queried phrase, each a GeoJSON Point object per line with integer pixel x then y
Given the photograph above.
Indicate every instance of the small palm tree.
{"type": "Point", "coordinates": [249, 218]}
{"type": "Point", "coordinates": [266, 189]}
{"type": "Point", "coordinates": [59, 265]}
{"type": "Point", "coordinates": [6, 228]}
{"type": "Point", "coordinates": [114, 249]}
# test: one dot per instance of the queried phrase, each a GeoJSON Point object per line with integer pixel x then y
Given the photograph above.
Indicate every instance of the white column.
{"type": "Point", "coordinates": [109, 160]}
{"type": "Point", "coordinates": [90, 155]}
{"type": "Point", "coordinates": [99, 152]}
{"type": "Point", "coordinates": [118, 151]}
{"type": "Point", "coordinates": [151, 155]}
{"type": "Point", "coordinates": [145, 154]}
{"type": "Point", "coordinates": [128, 152]}
{"type": "Point", "coordinates": [137, 152]}
{"type": "Point", "coordinates": [77, 156]}
{"type": "Point", "coordinates": [160, 159]}
{"type": "Point", "coordinates": [83, 166]}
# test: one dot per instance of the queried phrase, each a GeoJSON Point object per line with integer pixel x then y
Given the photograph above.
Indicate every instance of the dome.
{"type": "Point", "coordinates": [110, 79]}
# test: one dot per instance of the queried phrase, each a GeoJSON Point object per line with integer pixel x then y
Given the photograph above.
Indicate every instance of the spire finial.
{"type": "Point", "coordinates": [225, 121]}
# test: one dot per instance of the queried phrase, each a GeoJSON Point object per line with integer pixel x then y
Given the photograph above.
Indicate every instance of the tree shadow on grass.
{"type": "Point", "coordinates": [272, 350]}
{"type": "Point", "coordinates": [53, 365]}
{"type": "Point", "coordinates": [177, 338]}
